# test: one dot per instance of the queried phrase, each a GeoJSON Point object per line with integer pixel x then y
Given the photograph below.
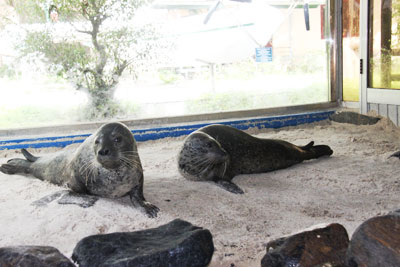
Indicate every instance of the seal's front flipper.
{"type": "Point", "coordinates": [49, 198]}
{"type": "Point", "coordinates": [147, 208]}
{"type": "Point", "coordinates": [82, 200]}
{"type": "Point", "coordinates": [140, 203]}
{"type": "Point", "coordinates": [229, 186]}
{"type": "Point", "coordinates": [14, 166]}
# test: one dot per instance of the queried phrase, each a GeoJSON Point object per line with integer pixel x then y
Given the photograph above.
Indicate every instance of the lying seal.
{"type": "Point", "coordinates": [106, 164]}
{"type": "Point", "coordinates": [218, 153]}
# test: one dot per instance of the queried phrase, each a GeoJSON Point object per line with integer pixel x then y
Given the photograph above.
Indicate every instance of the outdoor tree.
{"type": "Point", "coordinates": [88, 42]}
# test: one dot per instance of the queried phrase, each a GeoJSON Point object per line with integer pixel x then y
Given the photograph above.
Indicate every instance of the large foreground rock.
{"type": "Point", "coordinates": [177, 243]}
{"type": "Point", "coordinates": [320, 247]}
{"type": "Point", "coordinates": [33, 256]}
{"type": "Point", "coordinates": [376, 242]}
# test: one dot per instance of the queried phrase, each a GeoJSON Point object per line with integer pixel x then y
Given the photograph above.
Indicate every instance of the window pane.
{"type": "Point", "coordinates": [180, 59]}
{"type": "Point", "coordinates": [351, 45]}
{"type": "Point", "coordinates": [384, 53]}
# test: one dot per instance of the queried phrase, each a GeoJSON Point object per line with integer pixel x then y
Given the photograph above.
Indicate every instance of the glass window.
{"type": "Point", "coordinates": [384, 44]}
{"type": "Point", "coordinates": [167, 59]}
{"type": "Point", "coordinates": [351, 50]}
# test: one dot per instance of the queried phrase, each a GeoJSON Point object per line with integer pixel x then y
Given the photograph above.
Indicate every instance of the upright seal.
{"type": "Point", "coordinates": [219, 152]}
{"type": "Point", "coordinates": [106, 164]}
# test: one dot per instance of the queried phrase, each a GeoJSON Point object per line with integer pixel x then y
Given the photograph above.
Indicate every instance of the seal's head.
{"type": "Point", "coordinates": [114, 145]}
{"type": "Point", "coordinates": [202, 157]}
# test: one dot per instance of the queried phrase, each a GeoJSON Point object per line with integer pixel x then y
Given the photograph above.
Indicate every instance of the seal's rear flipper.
{"type": "Point", "coordinates": [84, 201]}
{"type": "Point", "coordinates": [49, 198]}
{"type": "Point", "coordinates": [314, 152]}
{"type": "Point", "coordinates": [229, 186]}
{"type": "Point", "coordinates": [308, 146]}
{"type": "Point", "coordinates": [321, 150]}
{"type": "Point", "coordinates": [14, 166]}
{"type": "Point", "coordinates": [67, 197]}
{"type": "Point", "coordinates": [28, 155]}
{"type": "Point", "coordinates": [395, 155]}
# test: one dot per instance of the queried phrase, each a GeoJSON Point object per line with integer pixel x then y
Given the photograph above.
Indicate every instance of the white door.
{"type": "Point", "coordinates": [380, 58]}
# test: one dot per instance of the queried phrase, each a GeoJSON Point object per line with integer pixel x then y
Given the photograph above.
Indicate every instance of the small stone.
{"type": "Point", "coordinates": [319, 247]}
{"type": "Point", "coordinates": [33, 256]}
{"type": "Point", "coordinates": [376, 242]}
{"type": "Point", "coordinates": [177, 243]}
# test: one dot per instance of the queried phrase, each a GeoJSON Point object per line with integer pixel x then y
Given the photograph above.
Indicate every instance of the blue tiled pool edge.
{"type": "Point", "coordinates": [174, 131]}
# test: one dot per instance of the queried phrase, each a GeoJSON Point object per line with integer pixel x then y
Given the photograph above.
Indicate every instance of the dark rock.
{"type": "Point", "coordinates": [376, 242]}
{"type": "Point", "coordinates": [33, 256]}
{"type": "Point", "coordinates": [177, 243]}
{"type": "Point", "coordinates": [353, 118]}
{"type": "Point", "coordinates": [318, 247]}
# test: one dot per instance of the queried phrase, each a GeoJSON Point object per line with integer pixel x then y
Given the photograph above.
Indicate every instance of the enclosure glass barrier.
{"type": "Point", "coordinates": [61, 63]}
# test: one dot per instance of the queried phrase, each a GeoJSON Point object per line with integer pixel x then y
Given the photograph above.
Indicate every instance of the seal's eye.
{"type": "Point", "coordinates": [117, 139]}
{"type": "Point", "coordinates": [97, 141]}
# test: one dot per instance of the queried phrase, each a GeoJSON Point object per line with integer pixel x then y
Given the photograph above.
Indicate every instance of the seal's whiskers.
{"type": "Point", "coordinates": [130, 152]}
{"type": "Point", "coordinates": [130, 161]}
{"type": "Point", "coordinates": [87, 170]}
{"type": "Point", "coordinates": [92, 170]}
{"type": "Point", "coordinates": [224, 169]}
{"type": "Point", "coordinates": [203, 164]}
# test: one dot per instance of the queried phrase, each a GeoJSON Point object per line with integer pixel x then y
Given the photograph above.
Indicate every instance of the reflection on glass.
{"type": "Point", "coordinates": [384, 44]}
{"type": "Point", "coordinates": [196, 68]}
{"type": "Point", "coordinates": [351, 41]}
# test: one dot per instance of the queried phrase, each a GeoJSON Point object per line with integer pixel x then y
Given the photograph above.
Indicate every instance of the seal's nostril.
{"type": "Point", "coordinates": [104, 152]}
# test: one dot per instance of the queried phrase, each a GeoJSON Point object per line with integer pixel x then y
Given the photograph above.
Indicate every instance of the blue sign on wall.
{"type": "Point", "coordinates": [263, 54]}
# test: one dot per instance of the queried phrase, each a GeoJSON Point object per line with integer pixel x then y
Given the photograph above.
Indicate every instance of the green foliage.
{"type": "Point", "coordinates": [102, 109]}
{"type": "Point", "coordinates": [129, 109]}
{"type": "Point", "coordinates": [29, 11]}
{"type": "Point", "coordinates": [102, 9]}
{"type": "Point", "coordinates": [8, 72]}
{"type": "Point", "coordinates": [168, 76]}
{"type": "Point", "coordinates": [396, 20]}
{"type": "Point", "coordinates": [34, 116]}
{"type": "Point", "coordinates": [249, 69]}
{"type": "Point", "coordinates": [31, 115]}
{"type": "Point", "coordinates": [99, 42]}
{"type": "Point", "coordinates": [66, 55]}
{"type": "Point", "coordinates": [311, 62]}
{"type": "Point", "coordinates": [218, 102]}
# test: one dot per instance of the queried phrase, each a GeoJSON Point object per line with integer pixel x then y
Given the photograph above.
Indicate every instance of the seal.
{"type": "Point", "coordinates": [106, 164]}
{"type": "Point", "coordinates": [218, 153]}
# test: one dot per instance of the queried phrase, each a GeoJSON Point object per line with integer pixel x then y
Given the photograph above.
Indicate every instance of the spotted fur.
{"type": "Point", "coordinates": [218, 153]}
{"type": "Point", "coordinates": [202, 158]}
{"type": "Point", "coordinates": [106, 164]}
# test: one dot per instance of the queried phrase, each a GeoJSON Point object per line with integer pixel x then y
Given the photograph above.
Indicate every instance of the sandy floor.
{"type": "Point", "coordinates": [357, 182]}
